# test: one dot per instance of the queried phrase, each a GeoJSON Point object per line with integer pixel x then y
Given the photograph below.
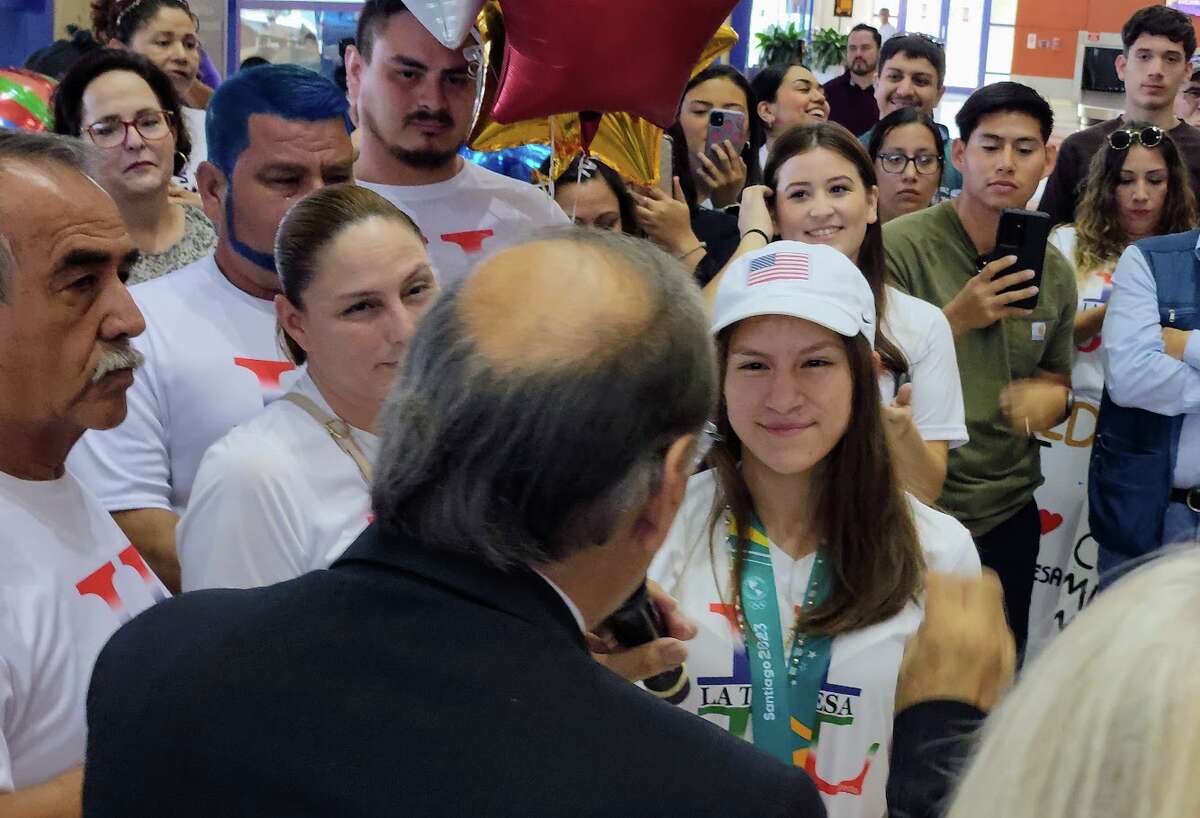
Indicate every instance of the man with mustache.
{"type": "Point", "coordinates": [912, 74]}
{"type": "Point", "coordinates": [852, 95]}
{"type": "Point", "coordinates": [68, 575]}
{"type": "Point", "coordinates": [1159, 42]}
{"type": "Point", "coordinates": [415, 99]}
{"type": "Point", "coordinates": [275, 133]}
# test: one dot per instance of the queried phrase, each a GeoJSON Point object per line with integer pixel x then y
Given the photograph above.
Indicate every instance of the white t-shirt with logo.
{"type": "Point", "coordinates": [857, 701]}
{"type": "Point", "coordinates": [923, 334]}
{"type": "Point", "coordinates": [273, 499]}
{"type": "Point", "coordinates": [212, 362]}
{"type": "Point", "coordinates": [68, 580]}
{"type": "Point", "coordinates": [474, 212]}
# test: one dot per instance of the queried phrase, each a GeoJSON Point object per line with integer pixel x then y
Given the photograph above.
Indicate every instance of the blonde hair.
{"type": "Point", "coordinates": [1107, 721]}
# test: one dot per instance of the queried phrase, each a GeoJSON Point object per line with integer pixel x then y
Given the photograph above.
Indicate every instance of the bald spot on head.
{"type": "Point", "coordinates": [553, 304]}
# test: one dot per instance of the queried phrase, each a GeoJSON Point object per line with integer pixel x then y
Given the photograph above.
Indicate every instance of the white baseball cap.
{"type": "Point", "coordinates": [810, 281]}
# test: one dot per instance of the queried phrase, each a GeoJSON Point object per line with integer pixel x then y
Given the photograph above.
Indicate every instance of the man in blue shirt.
{"type": "Point", "coordinates": [1144, 482]}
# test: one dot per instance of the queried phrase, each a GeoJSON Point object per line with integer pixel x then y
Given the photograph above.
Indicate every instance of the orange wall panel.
{"type": "Point", "coordinates": [1052, 13]}
{"type": "Point", "coordinates": [1044, 62]}
{"type": "Point", "coordinates": [1110, 15]}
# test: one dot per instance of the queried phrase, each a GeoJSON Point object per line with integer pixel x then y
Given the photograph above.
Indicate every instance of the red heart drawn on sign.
{"type": "Point", "coordinates": [1050, 520]}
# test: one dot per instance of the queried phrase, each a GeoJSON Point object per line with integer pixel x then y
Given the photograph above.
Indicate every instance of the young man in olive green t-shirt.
{"type": "Point", "coordinates": [1015, 364]}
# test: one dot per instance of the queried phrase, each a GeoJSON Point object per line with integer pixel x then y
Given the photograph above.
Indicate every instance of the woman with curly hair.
{"type": "Point", "coordinates": [1137, 186]}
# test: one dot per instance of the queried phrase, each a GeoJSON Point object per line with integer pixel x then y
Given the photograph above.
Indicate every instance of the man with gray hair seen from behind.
{"type": "Point", "coordinates": [68, 576]}
{"type": "Point", "coordinates": [535, 451]}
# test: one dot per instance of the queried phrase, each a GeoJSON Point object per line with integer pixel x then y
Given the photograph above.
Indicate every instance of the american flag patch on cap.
{"type": "Point", "coordinates": [778, 267]}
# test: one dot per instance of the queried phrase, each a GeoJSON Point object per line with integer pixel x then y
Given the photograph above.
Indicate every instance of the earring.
{"type": "Point", "coordinates": [183, 160]}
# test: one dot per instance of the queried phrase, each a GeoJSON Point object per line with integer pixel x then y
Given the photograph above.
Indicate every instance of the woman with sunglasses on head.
{"type": "Point", "coordinates": [128, 109]}
{"type": "Point", "coordinates": [799, 556]}
{"type": "Point", "coordinates": [166, 32]}
{"type": "Point", "coordinates": [1137, 186]}
{"type": "Point", "coordinates": [820, 188]}
{"type": "Point", "coordinates": [907, 149]}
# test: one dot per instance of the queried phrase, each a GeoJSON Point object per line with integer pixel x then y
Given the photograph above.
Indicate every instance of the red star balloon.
{"type": "Point", "coordinates": [632, 56]}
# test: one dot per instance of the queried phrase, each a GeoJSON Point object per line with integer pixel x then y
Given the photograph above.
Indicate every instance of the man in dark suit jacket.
{"type": "Point", "coordinates": [535, 452]}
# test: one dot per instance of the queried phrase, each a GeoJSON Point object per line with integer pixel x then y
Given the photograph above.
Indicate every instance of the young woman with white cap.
{"type": "Point", "coordinates": [821, 188]}
{"type": "Point", "coordinates": [799, 556]}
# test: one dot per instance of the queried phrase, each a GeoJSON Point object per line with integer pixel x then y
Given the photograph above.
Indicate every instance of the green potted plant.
{"type": "Point", "coordinates": [828, 49]}
{"type": "Point", "coordinates": [780, 45]}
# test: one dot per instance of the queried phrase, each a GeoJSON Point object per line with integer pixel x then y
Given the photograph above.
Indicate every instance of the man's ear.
{"type": "Point", "coordinates": [355, 64]}
{"type": "Point", "coordinates": [958, 154]}
{"type": "Point", "coordinates": [658, 512]}
{"type": "Point", "coordinates": [1051, 158]}
{"type": "Point", "coordinates": [212, 185]}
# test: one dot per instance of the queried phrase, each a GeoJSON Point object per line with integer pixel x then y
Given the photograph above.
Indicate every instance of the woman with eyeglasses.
{"type": "Point", "coordinates": [799, 556]}
{"type": "Point", "coordinates": [128, 109]}
{"type": "Point", "coordinates": [906, 147]}
{"type": "Point", "coordinates": [1137, 186]}
{"type": "Point", "coordinates": [821, 188]}
{"type": "Point", "coordinates": [166, 32]}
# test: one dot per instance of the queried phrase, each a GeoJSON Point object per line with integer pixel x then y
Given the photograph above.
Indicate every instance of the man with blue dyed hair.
{"type": "Point", "coordinates": [275, 133]}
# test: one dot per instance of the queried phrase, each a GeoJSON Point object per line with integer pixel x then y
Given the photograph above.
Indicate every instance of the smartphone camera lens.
{"type": "Point", "coordinates": [717, 118]}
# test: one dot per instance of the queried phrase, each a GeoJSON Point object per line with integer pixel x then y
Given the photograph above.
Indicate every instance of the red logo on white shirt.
{"type": "Point", "coordinates": [100, 582]}
{"type": "Point", "coordinates": [267, 372]}
{"type": "Point", "coordinates": [471, 241]}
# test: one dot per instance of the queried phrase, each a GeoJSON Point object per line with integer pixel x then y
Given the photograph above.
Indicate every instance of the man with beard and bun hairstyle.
{"type": "Point", "coordinates": [415, 100]}
{"type": "Point", "coordinates": [68, 576]}
{"type": "Point", "coordinates": [213, 359]}
{"type": "Point", "coordinates": [852, 95]}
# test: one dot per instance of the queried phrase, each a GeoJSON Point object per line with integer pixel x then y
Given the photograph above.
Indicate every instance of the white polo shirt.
{"type": "Point", "coordinates": [212, 361]}
{"type": "Point", "coordinates": [68, 579]}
